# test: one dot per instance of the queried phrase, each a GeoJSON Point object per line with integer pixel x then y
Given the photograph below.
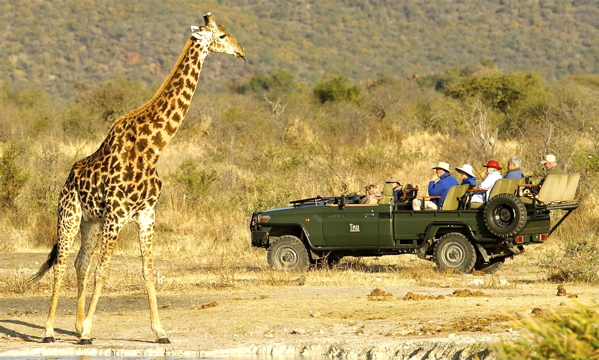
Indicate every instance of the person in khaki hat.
{"type": "Point", "coordinates": [438, 186]}
{"type": "Point", "coordinates": [487, 184]}
{"type": "Point", "coordinates": [397, 188]}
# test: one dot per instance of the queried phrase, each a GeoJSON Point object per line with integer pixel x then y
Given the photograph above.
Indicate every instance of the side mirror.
{"type": "Point", "coordinates": [342, 202]}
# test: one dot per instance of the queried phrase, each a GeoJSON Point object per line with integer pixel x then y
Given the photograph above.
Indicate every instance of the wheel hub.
{"type": "Point", "coordinates": [454, 254]}
{"type": "Point", "coordinates": [288, 257]}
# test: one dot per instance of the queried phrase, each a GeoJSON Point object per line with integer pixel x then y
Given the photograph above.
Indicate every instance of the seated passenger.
{"type": "Point", "coordinates": [467, 174]}
{"type": "Point", "coordinates": [488, 183]}
{"type": "Point", "coordinates": [550, 165]}
{"type": "Point", "coordinates": [438, 186]}
{"type": "Point", "coordinates": [397, 188]}
{"type": "Point", "coordinates": [372, 195]}
{"type": "Point", "coordinates": [513, 167]}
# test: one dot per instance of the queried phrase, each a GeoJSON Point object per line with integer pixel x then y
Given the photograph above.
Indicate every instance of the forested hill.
{"type": "Point", "coordinates": [56, 44]}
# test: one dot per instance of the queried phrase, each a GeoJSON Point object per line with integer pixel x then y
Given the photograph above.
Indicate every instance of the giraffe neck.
{"type": "Point", "coordinates": [158, 121]}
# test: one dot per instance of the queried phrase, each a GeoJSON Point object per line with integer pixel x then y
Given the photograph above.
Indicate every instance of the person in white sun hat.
{"type": "Point", "coordinates": [439, 186]}
{"type": "Point", "coordinates": [467, 174]}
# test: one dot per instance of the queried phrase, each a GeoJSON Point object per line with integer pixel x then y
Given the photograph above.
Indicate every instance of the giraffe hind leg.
{"type": "Point", "coordinates": [90, 233]}
{"type": "Point", "coordinates": [69, 219]}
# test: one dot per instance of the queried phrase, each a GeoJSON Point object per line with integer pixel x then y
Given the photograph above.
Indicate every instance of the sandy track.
{"type": "Point", "coordinates": [310, 320]}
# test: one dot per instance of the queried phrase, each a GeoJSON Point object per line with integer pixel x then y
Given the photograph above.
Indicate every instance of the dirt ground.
{"type": "Point", "coordinates": [300, 317]}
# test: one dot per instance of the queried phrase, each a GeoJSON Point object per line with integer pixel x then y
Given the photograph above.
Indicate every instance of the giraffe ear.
{"type": "Point", "coordinates": [194, 28]}
{"type": "Point", "coordinates": [196, 35]}
{"type": "Point", "coordinates": [209, 19]}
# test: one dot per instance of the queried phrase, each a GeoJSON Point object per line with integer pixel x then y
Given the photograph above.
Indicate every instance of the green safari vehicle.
{"type": "Point", "coordinates": [458, 237]}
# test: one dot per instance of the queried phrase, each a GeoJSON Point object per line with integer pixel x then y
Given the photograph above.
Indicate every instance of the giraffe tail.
{"type": "Point", "coordinates": [52, 258]}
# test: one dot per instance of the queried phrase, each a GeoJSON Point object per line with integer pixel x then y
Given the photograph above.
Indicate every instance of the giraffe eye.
{"type": "Point", "coordinates": [222, 36]}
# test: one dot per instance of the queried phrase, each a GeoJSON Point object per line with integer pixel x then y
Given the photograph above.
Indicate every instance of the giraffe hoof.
{"type": "Point", "coordinates": [85, 341]}
{"type": "Point", "coordinates": [163, 341]}
{"type": "Point", "coordinates": [48, 339]}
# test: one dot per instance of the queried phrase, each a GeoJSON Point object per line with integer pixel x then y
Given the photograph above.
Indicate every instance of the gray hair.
{"type": "Point", "coordinates": [516, 161]}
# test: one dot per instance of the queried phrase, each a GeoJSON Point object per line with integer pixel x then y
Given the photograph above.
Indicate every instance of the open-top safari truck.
{"type": "Point", "coordinates": [460, 236]}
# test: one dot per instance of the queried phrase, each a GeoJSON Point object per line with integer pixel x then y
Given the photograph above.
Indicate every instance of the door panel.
{"type": "Point", "coordinates": [354, 225]}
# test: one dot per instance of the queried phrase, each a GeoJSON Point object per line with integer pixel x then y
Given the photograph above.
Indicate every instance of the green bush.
{"type": "Point", "coordinates": [337, 88]}
{"type": "Point", "coordinates": [12, 176]}
{"type": "Point", "coordinates": [573, 336]}
{"type": "Point", "coordinates": [192, 182]}
{"type": "Point", "coordinates": [577, 261]}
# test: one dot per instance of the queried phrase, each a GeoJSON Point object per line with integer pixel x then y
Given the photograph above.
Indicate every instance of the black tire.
{"type": "Point", "coordinates": [491, 267]}
{"type": "Point", "coordinates": [288, 253]}
{"type": "Point", "coordinates": [454, 252]}
{"type": "Point", "coordinates": [505, 215]}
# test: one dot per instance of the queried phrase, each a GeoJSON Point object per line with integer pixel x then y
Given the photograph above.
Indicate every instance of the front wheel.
{"type": "Point", "coordinates": [454, 252]}
{"type": "Point", "coordinates": [288, 253]}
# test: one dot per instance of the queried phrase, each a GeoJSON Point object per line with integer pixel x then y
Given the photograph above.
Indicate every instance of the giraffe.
{"type": "Point", "coordinates": [119, 184]}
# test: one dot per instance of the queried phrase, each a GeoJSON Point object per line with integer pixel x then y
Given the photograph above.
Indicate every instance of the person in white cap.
{"type": "Point", "coordinates": [550, 164]}
{"type": "Point", "coordinates": [439, 186]}
{"type": "Point", "coordinates": [467, 174]}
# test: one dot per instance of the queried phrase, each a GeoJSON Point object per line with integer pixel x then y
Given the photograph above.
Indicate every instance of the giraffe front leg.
{"type": "Point", "coordinates": [90, 233]}
{"type": "Point", "coordinates": [146, 222]}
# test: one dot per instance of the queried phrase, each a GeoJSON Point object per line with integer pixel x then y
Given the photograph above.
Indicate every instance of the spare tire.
{"type": "Point", "coordinates": [505, 215]}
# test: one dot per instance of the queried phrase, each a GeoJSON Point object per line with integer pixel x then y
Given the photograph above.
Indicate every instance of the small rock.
{"type": "Point", "coordinates": [477, 282]}
{"type": "Point", "coordinates": [315, 314]}
{"type": "Point", "coordinates": [300, 281]}
{"type": "Point", "coordinates": [561, 290]}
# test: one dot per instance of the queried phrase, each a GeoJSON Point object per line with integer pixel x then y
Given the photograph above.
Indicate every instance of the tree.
{"type": "Point", "coordinates": [336, 88]}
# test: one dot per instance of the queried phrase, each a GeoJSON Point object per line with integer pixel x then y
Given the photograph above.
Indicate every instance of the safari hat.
{"type": "Point", "coordinates": [493, 164]}
{"type": "Point", "coordinates": [443, 166]}
{"type": "Point", "coordinates": [549, 158]}
{"type": "Point", "coordinates": [466, 169]}
{"type": "Point", "coordinates": [393, 179]}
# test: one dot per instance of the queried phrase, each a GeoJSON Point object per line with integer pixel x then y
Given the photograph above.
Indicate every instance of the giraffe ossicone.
{"type": "Point", "coordinates": [119, 184]}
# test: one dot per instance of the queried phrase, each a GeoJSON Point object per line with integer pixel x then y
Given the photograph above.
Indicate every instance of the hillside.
{"type": "Point", "coordinates": [56, 44]}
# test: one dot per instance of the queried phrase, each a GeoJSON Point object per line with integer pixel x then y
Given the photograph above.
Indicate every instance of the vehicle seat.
{"type": "Point", "coordinates": [387, 197]}
{"type": "Point", "coordinates": [556, 188]}
{"type": "Point", "coordinates": [570, 192]}
{"type": "Point", "coordinates": [454, 197]}
{"type": "Point", "coordinates": [501, 186]}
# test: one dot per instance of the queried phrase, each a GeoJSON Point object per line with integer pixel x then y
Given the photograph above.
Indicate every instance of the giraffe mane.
{"type": "Point", "coordinates": [164, 84]}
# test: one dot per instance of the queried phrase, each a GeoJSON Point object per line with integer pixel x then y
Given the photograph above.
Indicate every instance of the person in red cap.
{"type": "Point", "coordinates": [487, 184]}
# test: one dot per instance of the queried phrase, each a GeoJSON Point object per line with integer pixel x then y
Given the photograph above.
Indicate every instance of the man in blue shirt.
{"type": "Point", "coordinates": [513, 166]}
{"type": "Point", "coordinates": [439, 186]}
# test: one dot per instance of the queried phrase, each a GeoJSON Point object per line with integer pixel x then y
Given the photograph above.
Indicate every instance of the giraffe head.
{"type": "Point", "coordinates": [217, 38]}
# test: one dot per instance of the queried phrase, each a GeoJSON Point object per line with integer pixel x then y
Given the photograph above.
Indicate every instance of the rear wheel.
{"type": "Point", "coordinates": [288, 253]}
{"type": "Point", "coordinates": [454, 252]}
